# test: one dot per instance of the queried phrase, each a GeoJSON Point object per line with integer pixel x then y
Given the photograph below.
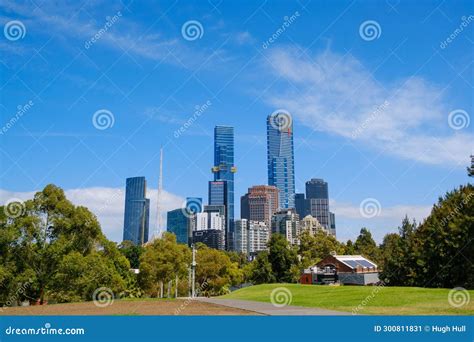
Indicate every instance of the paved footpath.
{"type": "Point", "coordinates": [271, 310]}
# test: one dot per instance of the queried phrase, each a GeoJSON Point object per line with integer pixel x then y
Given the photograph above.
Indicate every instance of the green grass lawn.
{"type": "Point", "coordinates": [369, 299]}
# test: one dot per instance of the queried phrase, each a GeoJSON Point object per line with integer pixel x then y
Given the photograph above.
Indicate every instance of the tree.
{"type": "Point", "coordinates": [38, 239]}
{"type": "Point", "coordinates": [282, 257]}
{"type": "Point", "coordinates": [215, 272]}
{"type": "Point", "coordinates": [313, 248]}
{"type": "Point", "coordinates": [349, 248]}
{"type": "Point", "coordinates": [392, 260]}
{"type": "Point", "coordinates": [240, 258]}
{"type": "Point", "coordinates": [445, 242]}
{"type": "Point", "coordinates": [162, 261]}
{"type": "Point", "coordinates": [132, 252]}
{"type": "Point", "coordinates": [260, 270]}
{"type": "Point", "coordinates": [434, 253]}
{"type": "Point", "coordinates": [366, 246]}
{"type": "Point", "coordinates": [79, 276]}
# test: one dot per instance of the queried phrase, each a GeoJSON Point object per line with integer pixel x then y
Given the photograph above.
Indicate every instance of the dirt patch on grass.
{"type": "Point", "coordinates": [125, 307]}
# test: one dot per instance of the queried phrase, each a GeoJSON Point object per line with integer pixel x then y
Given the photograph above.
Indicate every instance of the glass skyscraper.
{"type": "Point", "coordinates": [177, 223]}
{"type": "Point", "coordinates": [224, 170]}
{"type": "Point", "coordinates": [317, 188]}
{"type": "Point", "coordinates": [137, 211]}
{"type": "Point", "coordinates": [280, 157]}
{"type": "Point", "coordinates": [317, 197]}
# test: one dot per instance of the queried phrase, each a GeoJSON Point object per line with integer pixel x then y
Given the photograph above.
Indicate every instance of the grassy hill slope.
{"type": "Point", "coordinates": [368, 299]}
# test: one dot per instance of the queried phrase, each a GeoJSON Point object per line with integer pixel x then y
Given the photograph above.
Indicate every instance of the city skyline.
{"type": "Point", "coordinates": [373, 115]}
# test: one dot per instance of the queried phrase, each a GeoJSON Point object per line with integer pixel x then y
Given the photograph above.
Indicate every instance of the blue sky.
{"type": "Point", "coordinates": [380, 114]}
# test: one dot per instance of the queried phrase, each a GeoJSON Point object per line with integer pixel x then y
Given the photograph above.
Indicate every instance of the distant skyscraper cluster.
{"type": "Point", "coordinates": [265, 209]}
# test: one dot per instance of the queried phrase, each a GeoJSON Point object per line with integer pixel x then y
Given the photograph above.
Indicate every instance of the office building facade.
{"type": "Point", "coordinates": [301, 205]}
{"type": "Point", "coordinates": [251, 237]}
{"type": "Point", "coordinates": [311, 225]}
{"type": "Point", "coordinates": [178, 224]}
{"type": "Point", "coordinates": [224, 170]}
{"type": "Point", "coordinates": [137, 211]}
{"type": "Point", "coordinates": [213, 238]}
{"type": "Point", "coordinates": [317, 197]}
{"type": "Point", "coordinates": [260, 203]}
{"type": "Point", "coordinates": [287, 223]}
{"type": "Point", "coordinates": [332, 223]}
{"type": "Point", "coordinates": [208, 227]}
{"type": "Point", "coordinates": [280, 157]}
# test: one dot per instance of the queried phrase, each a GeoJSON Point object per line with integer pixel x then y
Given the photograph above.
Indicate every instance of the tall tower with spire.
{"type": "Point", "coordinates": [159, 218]}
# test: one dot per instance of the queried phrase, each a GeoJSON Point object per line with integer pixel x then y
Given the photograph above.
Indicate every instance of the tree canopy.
{"type": "Point", "coordinates": [58, 249]}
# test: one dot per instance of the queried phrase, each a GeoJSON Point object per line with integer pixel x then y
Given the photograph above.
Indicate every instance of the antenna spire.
{"type": "Point", "coordinates": [159, 218]}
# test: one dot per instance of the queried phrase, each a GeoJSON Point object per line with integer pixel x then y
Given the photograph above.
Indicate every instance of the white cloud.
{"type": "Point", "coordinates": [349, 219]}
{"type": "Point", "coordinates": [124, 35]}
{"type": "Point", "coordinates": [108, 205]}
{"type": "Point", "coordinates": [337, 94]}
{"type": "Point", "coordinates": [244, 38]}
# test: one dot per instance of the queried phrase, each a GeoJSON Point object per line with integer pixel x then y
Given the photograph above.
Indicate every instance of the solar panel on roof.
{"type": "Point", "coordinates": [351, 263]}
{"type": "Point", "coordinates": [365, 263]}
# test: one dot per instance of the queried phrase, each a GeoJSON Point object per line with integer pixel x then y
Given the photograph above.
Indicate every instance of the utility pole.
{"type": "Point", "coordinates": [193, 274]}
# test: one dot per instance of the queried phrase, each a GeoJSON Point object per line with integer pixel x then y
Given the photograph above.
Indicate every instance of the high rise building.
{"type": "Point", "coordinates": [332, 223]}
{"type": "Point", "coordinates": [301, 205]}
{"type": "Point", "coordinates": [317, 196]}
{"type": "Point", "coordinates": [213, 238]}
{"type": "Point", "coordinates": [224, 170]}
{"type": "Point", "coordinates": [240, 236]}
{"type": "Point", "coordinates": [209, 226]}
{"type": "Point", "coordinates": [280, 157]}
{"type": "Point", "coordinates": [317, 188]}
{"type": "Point", "coordinates": [287, 223]}
{"type": "Point", "coordinates": [257, 237]}
{"type": "Point", "coordinates": [137, 211]}
{"type": "Point", "coordinates": [311, 225]}
{"type": "Point", "coordinates": [260, 203]}
{"type": "Point", "coordinates": [178, 224]}
{"type": "Point", "coordinates": [211, 218]}
{"type": "Point", "coordinates": [218, 194]}
{"type": "Point", "coordinates": [251, 237]}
